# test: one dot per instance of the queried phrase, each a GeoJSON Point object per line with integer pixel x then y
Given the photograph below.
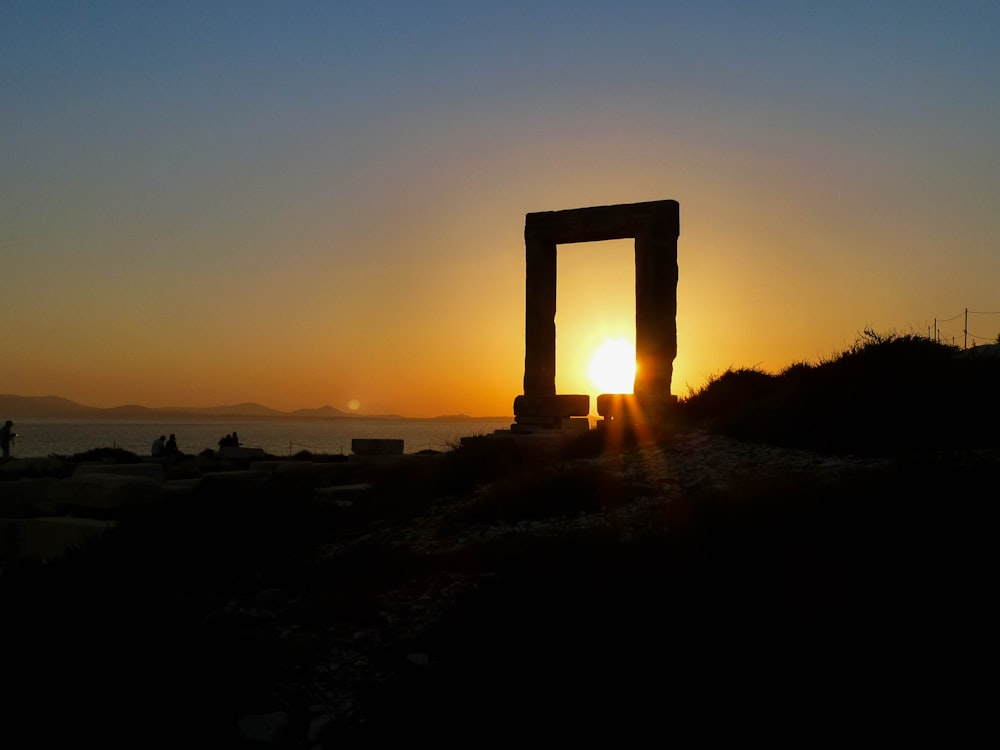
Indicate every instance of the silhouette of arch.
{"type": "Point", "coordinates": [655, 227]}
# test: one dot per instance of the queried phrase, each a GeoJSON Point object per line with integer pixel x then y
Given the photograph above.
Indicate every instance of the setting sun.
{"type": "Point", "coordinates": [612, 368]}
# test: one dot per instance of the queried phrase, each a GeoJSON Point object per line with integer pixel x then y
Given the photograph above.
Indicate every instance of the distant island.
{"type": "Point", "coordinates": [55, 407]}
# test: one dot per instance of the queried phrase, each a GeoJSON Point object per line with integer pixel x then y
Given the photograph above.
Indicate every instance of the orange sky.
{"type": "Point", "coordinates": [314, 208]}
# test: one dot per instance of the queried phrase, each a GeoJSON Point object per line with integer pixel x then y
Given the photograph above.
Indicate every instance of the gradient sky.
{"type": "Point", "coordinates": [308, 203]}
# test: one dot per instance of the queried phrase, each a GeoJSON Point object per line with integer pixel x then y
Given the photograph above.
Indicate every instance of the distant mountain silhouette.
{"type": "Point", "coordinates": [44, 407]}
{"type": "Point", "coordinates": [128, 411]}
{"type": "Point", "coordinates": [247, 409]}
{"type": "Point", "coordinates": [55, 407]}
{"type": "Point", "coordinates": [323, 411]}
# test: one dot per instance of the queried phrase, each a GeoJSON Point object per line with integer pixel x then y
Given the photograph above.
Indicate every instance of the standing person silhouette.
{"type": "Point", "coordinates": [5, 437]}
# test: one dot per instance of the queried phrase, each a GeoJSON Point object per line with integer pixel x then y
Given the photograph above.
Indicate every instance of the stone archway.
{"type": "Point", "coordinates": [655, 227]}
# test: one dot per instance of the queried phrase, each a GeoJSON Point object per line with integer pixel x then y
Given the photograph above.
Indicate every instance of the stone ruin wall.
{"type": "Point", "coordinates": [655, 227]}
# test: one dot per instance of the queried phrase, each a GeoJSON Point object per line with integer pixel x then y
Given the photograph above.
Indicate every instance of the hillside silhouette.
{"type": "Point", "coordinates": [886, 394]}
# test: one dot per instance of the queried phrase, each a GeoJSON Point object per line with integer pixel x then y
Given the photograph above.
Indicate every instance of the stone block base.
{"type": "Point", "coordinates": [575, 405]}
{"type": "Point", "coordinates": [549, 411]}
{"type": "Point", "coordinates": [619, 407]}
{"type": "Point", "coordinates": [550, 424]}
{"type": "Point", "coordinates": [627, 407]}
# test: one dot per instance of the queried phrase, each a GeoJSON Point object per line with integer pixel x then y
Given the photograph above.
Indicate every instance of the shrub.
{"type": "Point", "coordinates": [885, 394]}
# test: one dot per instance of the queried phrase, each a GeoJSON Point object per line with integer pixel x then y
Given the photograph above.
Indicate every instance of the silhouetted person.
{"type": "Point", "coordinates": [170, 449]}
{"type": "Point", "coordinates": [5, 437]}
{"type": "Point", "coordinates": [229, 441]}
{"type": "Point", "coordinates": [158, 445]}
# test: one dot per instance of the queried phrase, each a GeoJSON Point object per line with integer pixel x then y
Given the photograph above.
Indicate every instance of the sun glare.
{"type": "Point", "coordinates": [612, 368]}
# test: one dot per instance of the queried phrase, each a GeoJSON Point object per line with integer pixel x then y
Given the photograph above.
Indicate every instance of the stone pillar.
{"type": "Point", "coordinates": [655, 312]}
{"type": "Point", "coordinates": [540, 317]}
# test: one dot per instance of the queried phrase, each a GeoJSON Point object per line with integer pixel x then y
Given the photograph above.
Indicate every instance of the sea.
{"type": "Point", "coordinates": [277, 437]}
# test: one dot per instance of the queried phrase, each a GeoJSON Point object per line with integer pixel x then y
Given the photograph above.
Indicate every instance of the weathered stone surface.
{"type": "Point", "coordinates": [342, 494]}
{"type": "Point", "coordinates": [655, 314]}
{"type": "Point", "coordinates": [151, 470]}
{"type": "Point", "coordinates": [100, 493]}
{"type": "Point", "coordinates": [600, 223]}
{"type": "Point", "coordinates": [180, 487]}
{"type": "Point", "coordinates": [315, 470]}
{"type": "Point", "coordinates": [540, 318]}
{"type": "Point", "coordinates": [567, 405]}
{"type": "Point", "coordinates": [627, 407]}
{"type": "Point", "coordinates": [377, 446]}
{"type": "Point", "coordinates": [526, 421]}
{"type": "Point", "coordinates": [236, 477]}
{"type": "Point", "coordinates": [46, 538]}
{"type": "Point", "coordinates": [655, 227]}
{"type": "Point", "coordinates": [546, 426]}
{"type": "Point", "coordinates": [20, 498]}
{"type": "Point", "coordinates": [614, 404]}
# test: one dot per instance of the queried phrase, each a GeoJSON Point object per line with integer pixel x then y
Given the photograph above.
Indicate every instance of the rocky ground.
{"type": "Point", "coordinates": [694, 583]}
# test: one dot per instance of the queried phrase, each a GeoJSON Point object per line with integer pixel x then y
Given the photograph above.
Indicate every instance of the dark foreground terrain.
{"type": "Point", "coordinates": [696, 585]}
